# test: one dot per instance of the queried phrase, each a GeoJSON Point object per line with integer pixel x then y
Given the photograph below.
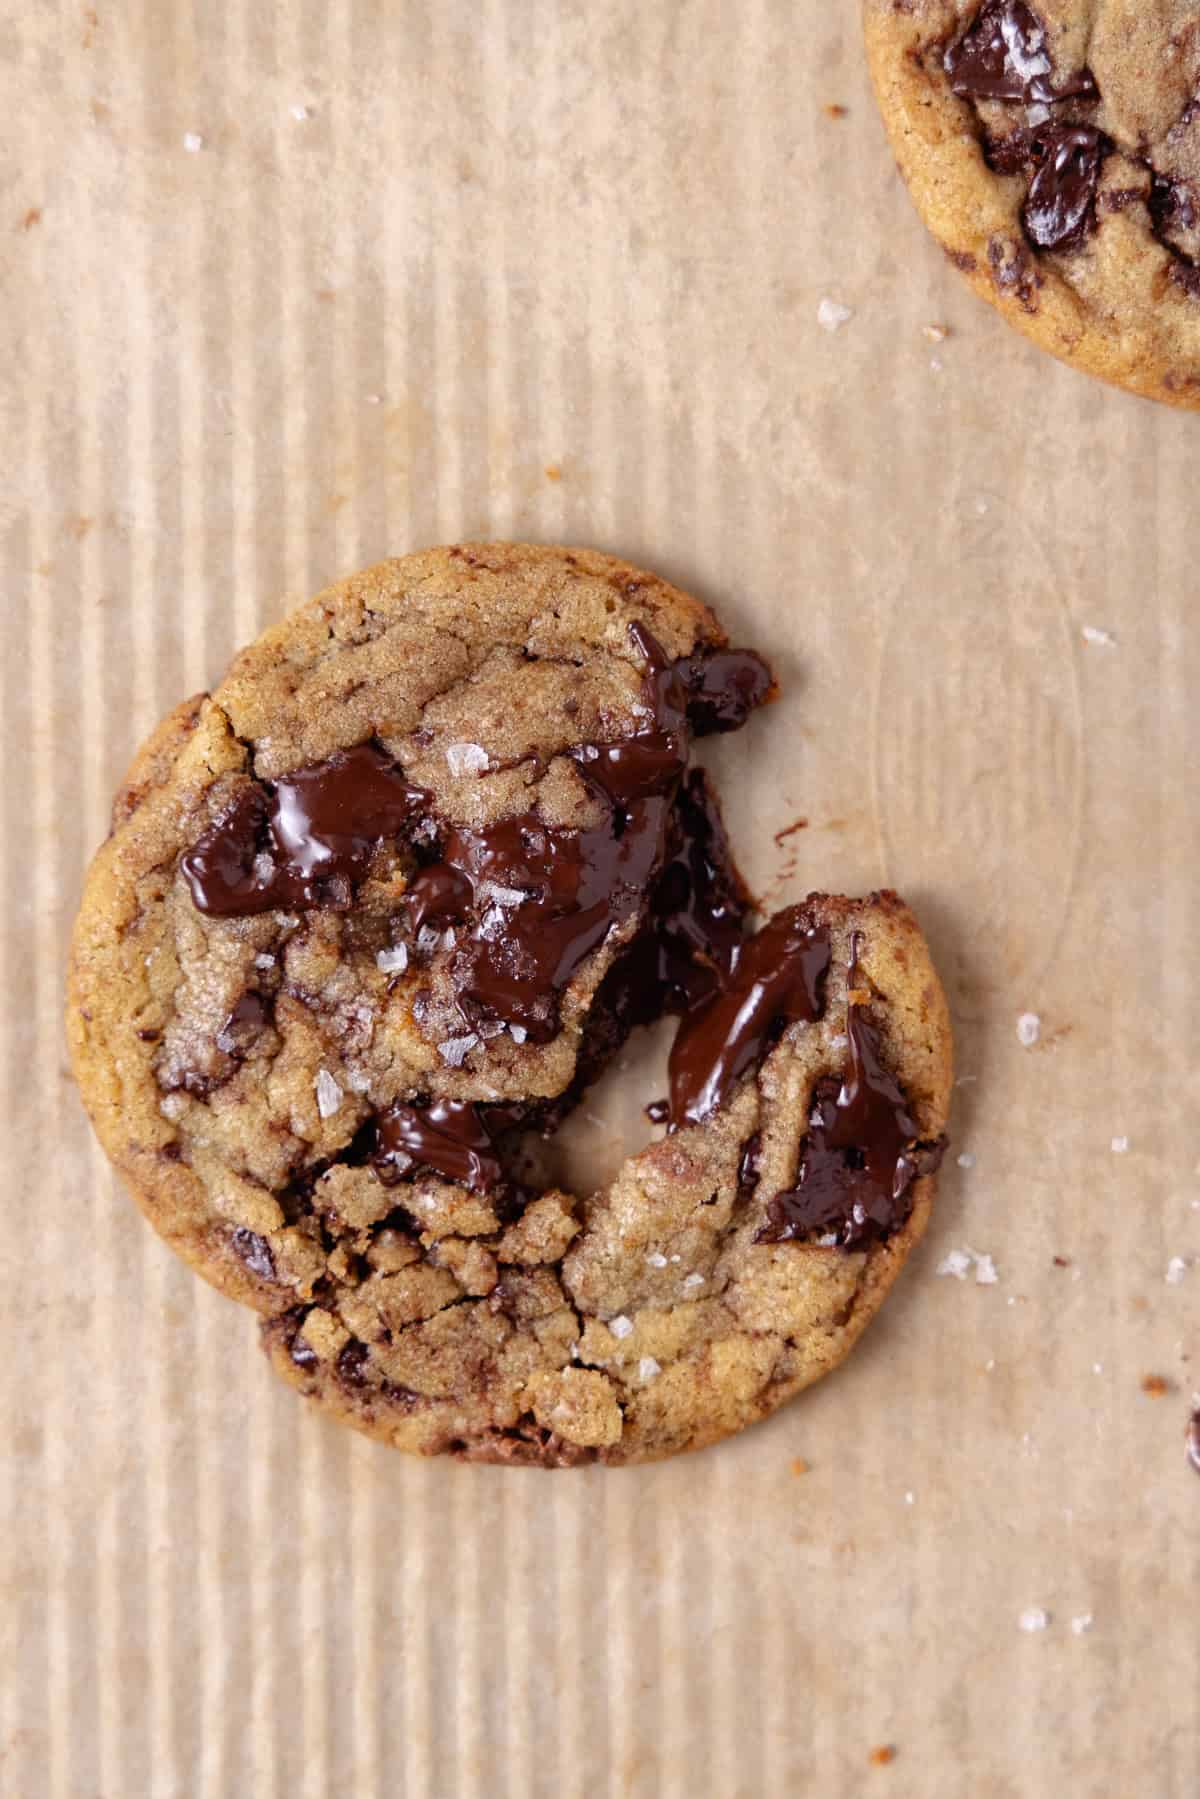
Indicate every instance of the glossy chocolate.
{"type": "Point", "coordinates": [1061, 206]}
{"type": "Point", "coordinates": [723, 687]}
{"type": "Point", "coordinates": [862, 1152]}
{"type": "Point", "coordinates": [449, 1136]}
{"type": "Point", "coordinates": [1005, 56]}
{"type": "Point", "coordinates": [243, 1024]}
{"type": "Point", "coordinates": [777, 978]}
{"type": "Point", "coordinates": [303, 840]}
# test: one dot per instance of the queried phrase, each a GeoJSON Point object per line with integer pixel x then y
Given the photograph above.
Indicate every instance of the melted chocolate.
{"type": "Point", "coordinates": [748, 1168]}
{"type": "Point", "coordinates": [862, 1152]}
{"type": "Point", "coordinates": [302, 840]}
{"type": "Point", "coordinates": [243, 1025]}
{"type": "Point", "coordinates": [723, 688]}
{"type": "Point", "coordinates": [448, 1136]}
{"type": "Point", "coordinates": [1004, 56]}
{"type": "Point", "coordinates": [1061, 207]}
{"type": "Point", "coordinates": [575, 887]}
{"type": "Point", "coordinates": [776, 979]}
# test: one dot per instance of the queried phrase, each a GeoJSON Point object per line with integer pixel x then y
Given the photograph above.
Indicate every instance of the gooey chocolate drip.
{"type": "Point", "coordinates": [862, 1153]}
{"type": "Point", "coordinates": [776, 979]}
{"type": "Point", "coordinates": [303, 840]}
{"type": "Point", "coordinates": [448, 1136]}
{"type": "Point", "coordinates": [546, 897]}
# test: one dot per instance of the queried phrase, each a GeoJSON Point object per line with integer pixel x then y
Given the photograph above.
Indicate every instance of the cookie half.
{"type": "Point", "coordinates": [383, 904]}
{"type": "Point", "coordinates": [1053, 149]}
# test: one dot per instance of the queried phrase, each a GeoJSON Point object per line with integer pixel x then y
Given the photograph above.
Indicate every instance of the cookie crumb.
{"type": "Point", "coordinates": [1034, 1618]}
{"type": "Point", "coordinates": [799, 1465]}
{"type": "Point", "coordinates": [1177, 1267]}
{"type": "Point", "coordinates": [553, 471]}
{"type": "Point", "coordinates": [193, 142]}
{"type": "Point", "coordinates": [1154, 1386]}
{"type": "Point", "coordinates": [329, 1094]}
{"type": "Point", "coordinates": [1082, 1624]}
{"type": "Point", "coordinates": [1062, 1261]}
{"type": "Point", "coordinates": [886, 1752]}
{"type": "Point", "coordinates": [832, 315]}
{"type": "Point", "coordinates": [1029, 1029]}
{"type": "Point", "coordinates": [936, 334]}
{"type": "Point", "coordinates": [1094, 634]}
{"type": "Point", "coordinates": [834, 110]}
{"type": "Point", "coordinates": [966, 1160]}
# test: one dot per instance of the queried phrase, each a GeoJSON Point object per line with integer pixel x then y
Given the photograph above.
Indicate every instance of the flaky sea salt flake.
{"type": "Point", "coordinates": [1034, 1618]}
{"type": "Point", "coordinates": [832, 315]}
{"type": "Point", "coordinates": [1082, 1624]}
{"type": "Point", "coordinates": [1120, 1146]}
{"type": "Point", "coordinates": [300, 112]}
{"type": "Point", "coordinates": [692, 1282]}
{"type": "Point", "coordinates": [1177, 1267]}
{"type": "Point", "coordinates": [656, 1259]}
{"type": "Point", "coordinates": [193, 143]}
{"type": "Point", "coordinates": [329, 1094]}
{"type": "Point", "coordinates": [455, 1050]}
{"type": "Point", "coordinates": [648, 1368]}
{"type": "Point", "coordinates": [393, 960]}
{"type": "Point", "coordinates": [1029, 1029]}
{"type": "Point", "coordinates": [957, 1264]}
{"type": "Point", "coordinates": [1094, 634]}
{"type": "Point", "coordinates": [466, 758]}
{"type": "Point", "coordinates": [620, 1326]}
{"type": "Point", "coordinates": [966, 1160]}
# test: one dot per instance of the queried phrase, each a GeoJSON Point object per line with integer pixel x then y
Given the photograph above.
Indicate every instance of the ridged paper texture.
{"type": "Point", "coordinates": [553, 270]}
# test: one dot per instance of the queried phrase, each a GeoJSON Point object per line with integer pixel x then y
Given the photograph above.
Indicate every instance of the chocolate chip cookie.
{"type": "Point", "coordinates": [381, 906]}
{"type": "Point", "coordinates": [1054, 151]}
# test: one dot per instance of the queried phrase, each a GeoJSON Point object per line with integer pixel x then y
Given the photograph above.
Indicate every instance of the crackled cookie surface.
{"type": "Point", "coordinates": [381, 906]}
{"type": "Point", "coordinates": [1054, 151]}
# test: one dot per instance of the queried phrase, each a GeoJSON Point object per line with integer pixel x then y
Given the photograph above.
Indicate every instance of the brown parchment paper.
{"type": "Point", "coordinates": [542, 268]}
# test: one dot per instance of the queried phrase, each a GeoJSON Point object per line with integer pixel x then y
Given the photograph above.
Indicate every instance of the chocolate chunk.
{"type": "Point", "coordinates": [748, 1168]}
{"type": "Point", "coordinates": [243, 1025]}
{"type": "Point", "coordinates": [777, 978]}
{"type": "Point", "coordinates": [862, 1152]}
{"type": "Point", "coordinates": [255, 1251]}
{"type": "Point", "coordinates": [723, 688]}
{"type": "Point", "coordinates": [449, 1136]}
{"type": "Point", "coordinates": [1061, 207]}
{"type": "Point", "coordinates": [1005, 56]}
{"type": "Point", "coordinates": [352, 1362]}
{"type": "Point", "coordinates": [303, 840]}
{"type": "Point", "coordinates": [1010, 154]}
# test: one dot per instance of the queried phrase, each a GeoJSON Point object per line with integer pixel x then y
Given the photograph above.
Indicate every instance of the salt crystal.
{"type": "Point", "coordinates": [910, 1499]}
{"type": "Point", "coordinates": [1037, 114]}
{"type": "Point", "coordinates": [936, 364]}
{"type": "Point", "coordinates": [966, 1160]}
{"type": "Point", "coordinates": [263, 865]}
{"type": "Point", "coordinates": [1176, 1269]}
{"type": "Point", "coordinates": [957, 1264]}
{"type": "Point", "coordinates": [655, 1260]}
{"type": "Point", "coordinates": [493, 924]}
{"type": "Point", "coordinates": [466, 758]}
{"type": "Point", "coordinates": [575, 1352]}
{"type": "Point", "coordinates": [1029, 1028]}
{"type": "Point", "coordinates": [300, 112]}
{"type": "Point", "coordinates": [620, 1326]}
{"type": "Point", "coordinates": [287, 921]}
{"type": "Point", "coordinates": [428, 939]}
{"type": "Point", "coordinates": [264, 961]}
{"type": "Point", "coordinates": [1094, 634]}
{"type": "Point", "coordinates": [1120, 1145]}
{"type": "Point", "coordinates": [832, 315]}
{"type": "Point", "coordinates": [393, 960]}
{"type": "Point", "coordinates": [841, 1041]}
{"type": "Point", "coordinates": [989, 1364]}
{"type": "Point", "coordinates": [1082, 1624]}
{"type": "Point", "coordinates": [192, 141]}
{"type": "Point", "coordinates": [827, 1241]}
{"type": "Point", "coordinates": [448, 940]}
{"type": "Point", "coordinates": [1033, 1619]}
{"type": "Point", "coordinates": [455, 1050]}
{"type": "Point", "coordinates": [517, 1032]}
{"type": "Point", "coordinates": [692, 1281]}
{"type": "Point", "coordinates": [357, 1081]}
{"type": "Point", "coordinates": [985, 1272]}
{"type": "Point", "coordinates": [966, 1080]}
{"type": "Point", "coordinates": [329, 1094]}
{"type": "Point", "coordinates": [1097, 1367]}
{"type": "Point", "coordinates": [503, 896]}
{"type": "Point", "coordinates": [172, 1106]}
{"type": "Point", "coordinates": [374, 399]}
{"type": "Point", "coordinates": [648, 1368]}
